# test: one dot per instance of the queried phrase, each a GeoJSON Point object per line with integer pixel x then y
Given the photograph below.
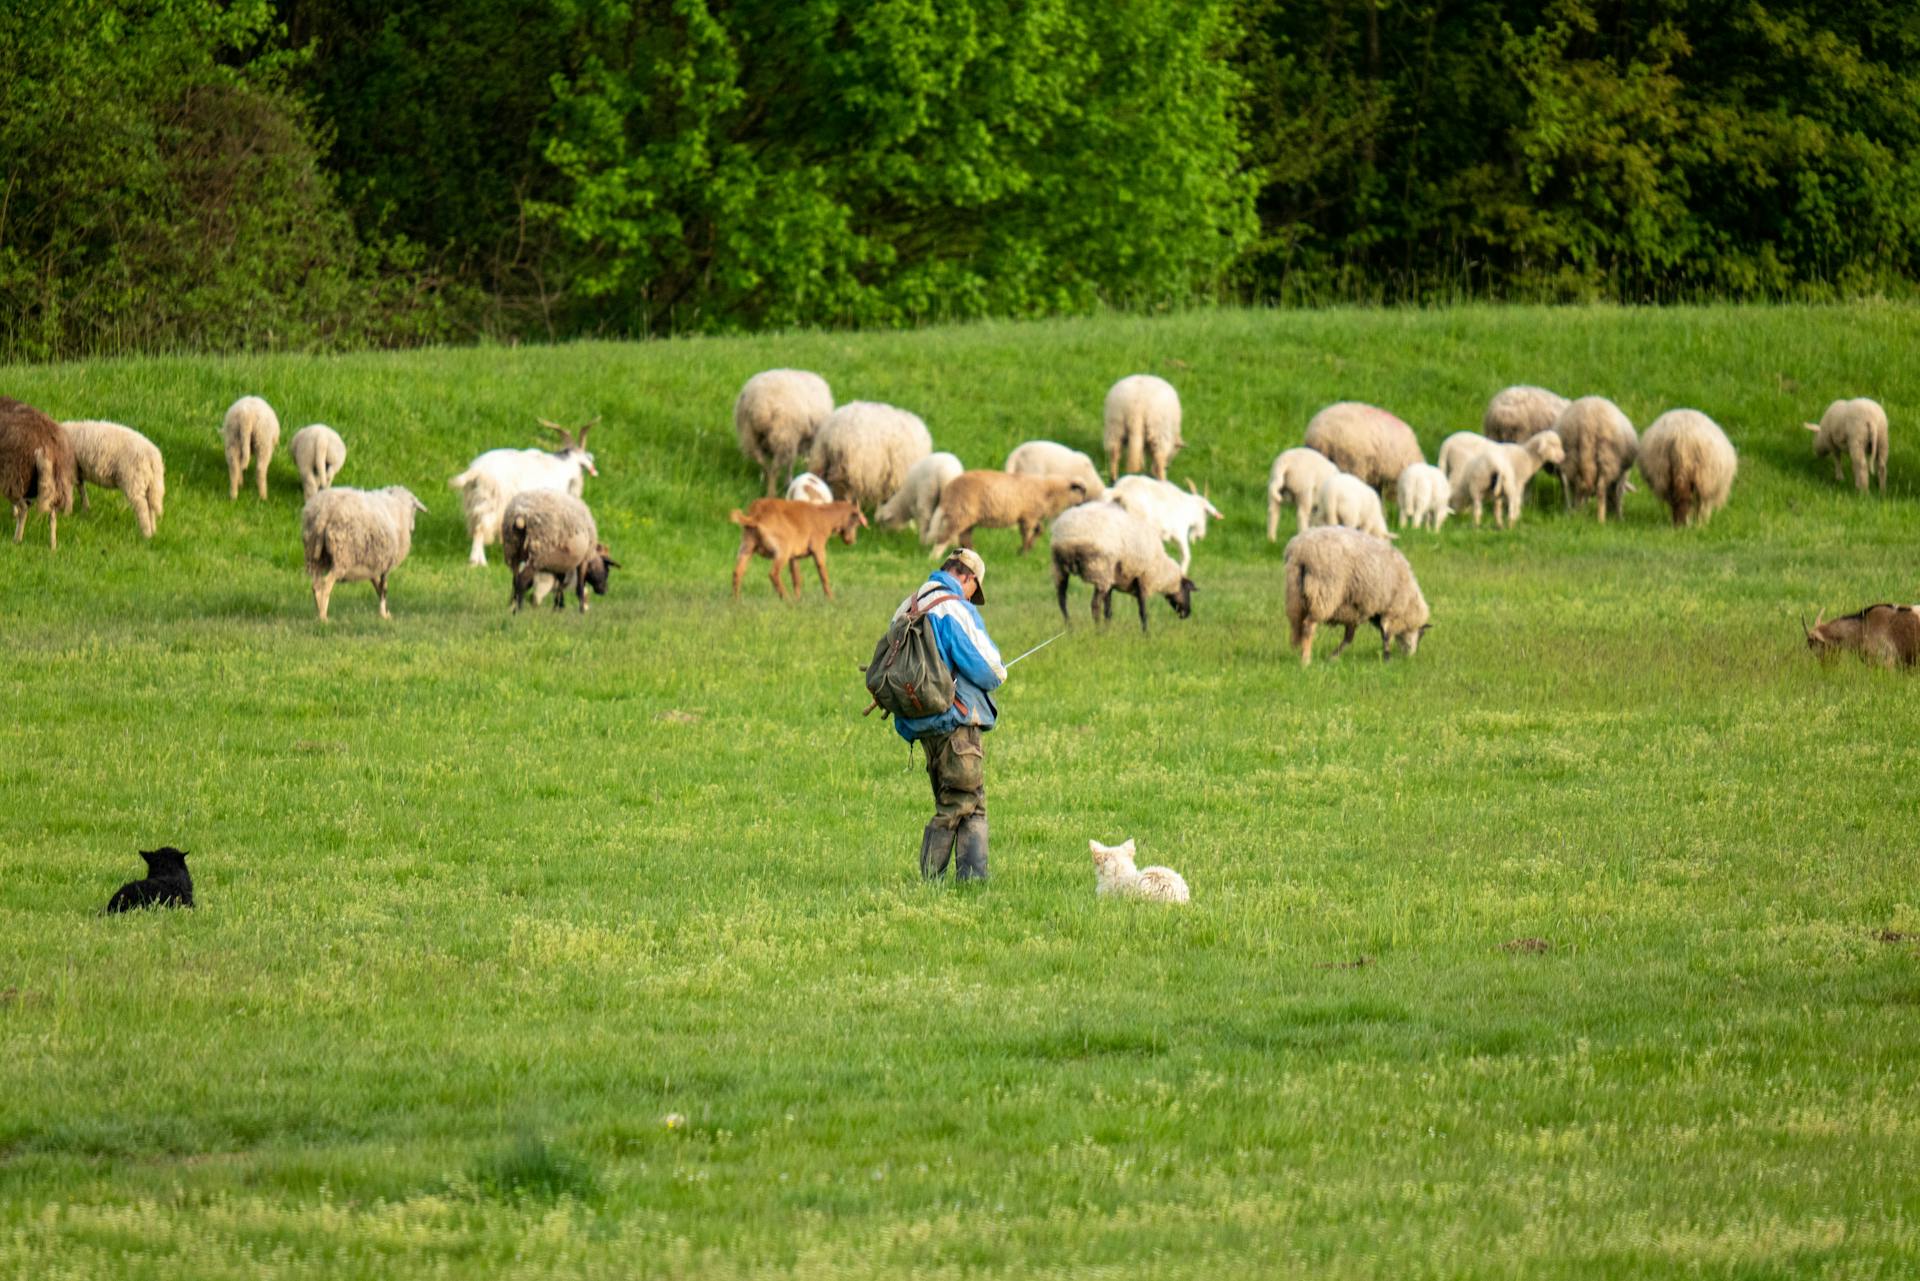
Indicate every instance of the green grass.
{"type": "Point", "coordinates": [559, 946]}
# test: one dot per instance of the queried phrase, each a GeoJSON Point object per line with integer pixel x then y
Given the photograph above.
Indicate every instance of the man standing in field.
{"type": "Point", "coordinates": [956, 758]}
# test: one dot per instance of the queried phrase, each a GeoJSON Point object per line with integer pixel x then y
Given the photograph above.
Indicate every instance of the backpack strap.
{"type": "Point", "coordinates": [925, 604]}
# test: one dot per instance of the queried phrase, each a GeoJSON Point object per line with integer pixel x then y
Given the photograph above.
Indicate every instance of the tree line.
{"type": "Point", "coordinates": [263, 174]}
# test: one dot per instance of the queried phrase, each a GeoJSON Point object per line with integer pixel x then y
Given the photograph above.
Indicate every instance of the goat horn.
{"type": "Point", "coordinates": [586, 427]}
{"type": "Point", "coordinates": [1805, 630]}
{"type": "Point", "coordinates": [1191, 487]}
{"type": "Point", "coordinates": [1818, 614]}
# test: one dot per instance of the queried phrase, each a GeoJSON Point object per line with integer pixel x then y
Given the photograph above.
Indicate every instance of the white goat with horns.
{"type": "Point", "coordinates": [490, 482]}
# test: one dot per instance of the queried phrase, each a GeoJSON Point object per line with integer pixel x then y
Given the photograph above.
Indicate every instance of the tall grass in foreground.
{"type": "Point", "coordinates": [551, 946]}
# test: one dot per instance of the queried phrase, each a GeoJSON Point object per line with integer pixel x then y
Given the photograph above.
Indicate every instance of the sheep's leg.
{"type": "Point", "coordinates": [53, 530]}
{"type": "Point", "coordinates": [260, 460]}
{"type": "Point", "coordinates": [1386, 642]}
{"type": "Point", "coordinates": [478, 556]}
{"type": "Point", "coordinates": [1113, 464]}
{"type": "Point", "coordinates": [142, 514]}
{"type": "Point", "coordinates": [1307, 627]}
{"type": "Point", "coordinates": [380, 586]}
{"type": "Point", "coordinates": [1305, 517]}
{"type": "Point", "coordinates": [1096, 607]}
{"type": "Point", "coordinates": [1060, 595]}
{"type": "Point", "coordinates": [522, 582]}
{"type": "Point", "coordinates": [1861, 469]}
{"type": "Point", "coordinates": [1106, 604]}
{"type": "Point", "coordinates": [1140, 599]}
{"type": "Point", "coordinates": [1345, 641]}
{"type": "Point", "coordinates": [19, 521]}
{"type": "Point", "coordinates": [1476, 511]}
{"type": "Point", "coordinates": [819, 563]}
{"type": "Point", "coordinates": [236, 466]}
{"type": "Point", "coordinates": [579, 587]}
{"type": "Point", "coordinates": [322, 593]}
{"type": "Point", "coordinates": [773, 479]}
{"type": "Point", "coordinates": [80, 492]}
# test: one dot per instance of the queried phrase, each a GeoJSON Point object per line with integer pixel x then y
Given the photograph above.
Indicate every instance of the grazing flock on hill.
{"type": "Point", "coordinates": [1112, 532]}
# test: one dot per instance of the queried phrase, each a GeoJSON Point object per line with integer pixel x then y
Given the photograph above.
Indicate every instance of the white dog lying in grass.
{"type": "Point", "coordinates": [1114, 873]}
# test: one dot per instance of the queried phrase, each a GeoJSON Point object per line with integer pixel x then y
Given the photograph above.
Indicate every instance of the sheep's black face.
{"type": "Point", "coordinates": [165, 860]}
{"type": "Point", "coordinates": [596, 574]}
{"type": "Point", "coordinates": [1182, 600]}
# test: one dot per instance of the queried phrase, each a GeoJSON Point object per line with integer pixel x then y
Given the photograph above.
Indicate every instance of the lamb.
{"type": "Point", "coordinates": [995, 500]}
{"type": "Point", "coordinates": [1424, 496]}
{"type": "Point", "coordinates": [1858, 429]}
{"type": "Point", "coordinates": [1337, 575]}
{"type": "Point", "coordinates": [1364, 441]}
{"type": "Point", "coordinates": [777, 416]}
{"type": "Point", "coordinates": [1349, 501]}
{"type": "Point", "coordinates": [37, 471]}
{"type": "Point", "coordinates": [1142, 414]}
{"type": "Point", "coordinates": [548, 536]}
{"type": "Point", "coordinates": [1296, 474]}
{"type": "Point", "coordinates": [1501, 474]}
{"type": "Point", "coordinates": [1049, 458]}
{"type": "Point", "coordinates": [1457, 450]}
{"type": "Point", "coordinates": [1114, 873]}
{"type": "Point", "coordinates": [121, 458]}
{"type": "Point", "coordinates": [1179, 516]}
{"type": "Point", "coordinates": [787, 532]}
{"type": "Point", "coordinates": [919, 494]}
{"type": "Point", "coordinates": [1111, 548]}
{"type": "Point", "coordinates": [1600, 446]}
{"type": "Point", "coordinates": [808, 488]}
{"type": "Point", "coordinates": [250, 430]}
{"type": "Point", "coordinates": [865, 449]}
{"type": "Point", "coordinates": [1689, 463]}
{"type": "Point", "coordinates": [356, 536]}
{"type": "Point", "coordinates": [490, 481]}
{"type": "Point", "coordinates": [1516, 413]}
{"type": "Point", "coordinates": [318, 453]}
{"type": "Point", "coordinates": [1885, 634]}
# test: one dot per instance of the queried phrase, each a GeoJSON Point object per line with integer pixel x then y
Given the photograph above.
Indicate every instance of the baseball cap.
{"type": "Point", "coordinates": [975, 566]}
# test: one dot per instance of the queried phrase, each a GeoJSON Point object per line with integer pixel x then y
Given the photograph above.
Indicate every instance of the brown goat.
{"type": "Point", "coordinates": [788, 531]}
{"type": "Point", "coordinates": [37, 471]}
{"type": "Point", "coordinates": [1885, 634]}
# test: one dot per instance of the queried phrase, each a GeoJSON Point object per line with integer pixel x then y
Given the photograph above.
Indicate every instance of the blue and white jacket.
{"type": "Point", "coordinates": [971, 656]}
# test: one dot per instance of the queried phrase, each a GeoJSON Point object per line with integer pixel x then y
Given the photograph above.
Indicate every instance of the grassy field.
{"type": "Point", "coordinates": [593, 946]}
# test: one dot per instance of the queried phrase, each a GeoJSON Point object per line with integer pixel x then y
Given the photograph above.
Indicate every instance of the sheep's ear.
{"type": "Point", "coordinates": [417, 504]}
{"type": "Point", "coordinates": [1126, 846]}
{"type": "Point", "coordinates": [1818, 614]}
{"type": "Point", "coordinates": [1814, 427]}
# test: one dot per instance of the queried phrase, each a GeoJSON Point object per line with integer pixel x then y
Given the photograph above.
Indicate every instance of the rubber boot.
{"type": "Point", "coordinates": [971, 849]}
{"type": "Point", "coordinates": [936, 847]}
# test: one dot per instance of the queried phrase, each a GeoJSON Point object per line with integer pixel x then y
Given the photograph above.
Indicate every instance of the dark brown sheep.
{"type": "Point", "coordinates": [37, 471]}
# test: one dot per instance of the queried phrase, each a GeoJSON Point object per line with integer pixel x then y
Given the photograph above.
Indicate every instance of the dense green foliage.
{"type": "Point", "coordinates": [316, 173]}
{"type": "Point", "coordinates": [593, 946]}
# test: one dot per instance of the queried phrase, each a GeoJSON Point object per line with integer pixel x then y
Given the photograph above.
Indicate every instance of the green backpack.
{"type": "Point", "coordinates": [908, 677]}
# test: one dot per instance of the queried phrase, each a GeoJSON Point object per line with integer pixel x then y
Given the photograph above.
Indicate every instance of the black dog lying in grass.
{"type": "Point", "coordinates": [167, 883]}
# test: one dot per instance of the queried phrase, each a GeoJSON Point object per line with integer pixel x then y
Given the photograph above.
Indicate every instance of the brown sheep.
{"type": "Point", "coordinates": [37, 470]}
{"type": "Point", "coordinates": [1885, 634]}
{"type": "Point", "coordinates": [996, 500]}
{"type": "Point", "coordinates": [787, 532]}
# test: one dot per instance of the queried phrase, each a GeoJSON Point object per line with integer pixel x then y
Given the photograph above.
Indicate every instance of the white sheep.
{"type": "Point", "coordinates": [356, 536]}
{"type": "Point", "coordinates": [1500, 474]}
{"type": "Point", "coordinates": [1142, 415]}
{"type": "Point", "coordinates": [1689, 463]}
{"type": "Point", "coordinates": [1457, 450]}
{"type": "Point", "coordinates": [776, 416]}
{"type": "Point", "coordinates": [1364, 441]}
{"type": "Point", "coordinates": [250, 431]}
{"type": "Point", "coordinates": [490, 481]}
{"type": "Point", "coordinates": [1295, 477]}
{"type": "Point", "coordinates": [120, 458]}
{"type": "Point", "coordinates": [1858, 429]}
{"type": "Point", "coordinates": [914, 502]}
{"type": "Point", "coordinates": [1180, 515]}
{"type": "Point", "coordinates": [318, 454]}
{"type": "Point", "coordinates": [865, 449]}
{"type": "Point", "coordinates": [1350, 501]}
{"type": "Point", "coordinates": [550, 537]}
{"type": "Point", "coordinates": [1516, 413]}
{"type": "Point", "coordinates": [1600, 445]}
{"type": "Point", "coordinates": [1424, 496]}
{"type": "Point", "coordinates": [1337, 575]}
{"type": "Point", "coordinates": [808, 488]}
{"type": "Point", "coordinates": [1113, 549]}
{"type": "Point", "coordinates": [1050, 458]}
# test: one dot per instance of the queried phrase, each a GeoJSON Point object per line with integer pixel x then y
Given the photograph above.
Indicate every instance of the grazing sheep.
{"type": "Point", "coordinates": [1364, 441]}
{"type": "Point", "coordinates": [250, 431]}
{"type": "Point", "coordinates": [548, 536]}
{"type": "Point", "coordinates": [1424, 496]}
{"type": "Point", "coordinates": [1179, 515]}
{"type": "Point", "coordinates": [1111, 548]}
{"type": "Point", "coordinates": [865, 449]}
{"type": "Point", "coordinates": [808, 488]}
{"type": "Point", "coordinates": [777, 416]}
{"type": "Point", "coordinates": [1349, 501]}
{"type": "Point", "coordinates": [1142, 414]}
{"type": "Point", "coordinates": [1295, 477]}
{"type": "Point", "coordinates": [1885, 634]}
{"type": "Point", "coordinates": [356, 536]}
{"type": "Point", "coordinates": [37, 471]}
{"type": "Point", "coordinates": [318, 453]}
{"type": "Point", "coordinates": [1457, 450]}
{"type": "Point", "coordinates": [787, 532]}
{"type": "Point", "coordinates": [1689, 463]}
{"type": "Point", "coordinates": [1858, 429]}
{"type": "Point", "coordinates": [1049, 458]}
{"type": "Point", "coordinates": [1500, 474]}
{"type": "Point", "coordinates": [490, 481]}
{"type": "Point", "coordinates": [120, 458]}
{"type": "Point", "coordinates": [1519, 412]}
{"type": "Point", "coordinates": [1600, 446]}
{"type": "Point", "coordinates": [995, 500]}
{"type": "Point", "coordinates": [919, 494]}
{"type": "Point", "coordinates": [1337, 575]}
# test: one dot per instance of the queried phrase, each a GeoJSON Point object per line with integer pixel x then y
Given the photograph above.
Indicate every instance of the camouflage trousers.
{"type": "Point", "coordinates": [956, 766]}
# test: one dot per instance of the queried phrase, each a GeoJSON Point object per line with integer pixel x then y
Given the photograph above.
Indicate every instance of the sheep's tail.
{"type": "Point", "coordinates": [1136, 445]}
{"type": "Point", "coordinates": [462, 480]}
{"type": "Point", "coordinates": [43, 477]}
{"type": "Point", "coordinates": [157, 491]}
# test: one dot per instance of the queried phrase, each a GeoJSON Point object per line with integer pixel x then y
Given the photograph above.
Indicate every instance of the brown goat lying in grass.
{"type": "Point", "coordinates": [1885, 634]}
{"type": "Point", "coordinates": [788, 531]}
